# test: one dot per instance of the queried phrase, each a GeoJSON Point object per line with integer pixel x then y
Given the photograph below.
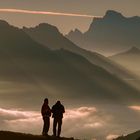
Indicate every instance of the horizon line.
{"type": "Point", "coordinates": [46, 13]}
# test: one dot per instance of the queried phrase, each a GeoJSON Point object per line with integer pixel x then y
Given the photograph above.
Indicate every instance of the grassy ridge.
{"type": "Point", "coordinates": [132, 136]}
{"type": "Point", "coordinates": [7, 135]}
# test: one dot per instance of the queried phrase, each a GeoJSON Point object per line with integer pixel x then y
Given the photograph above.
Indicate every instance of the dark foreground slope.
{"type": "Point", "coordinates": [6, 135]}
{"type": "Point", "coordinates": [132, 136]}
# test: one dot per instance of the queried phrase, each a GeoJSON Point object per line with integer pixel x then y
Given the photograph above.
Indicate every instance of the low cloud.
{"type": "Point", "coordinates": [82, 123]}
{"type": "Point", "coordinates": [111, 137]}
{"type": "Point", "coordinates": [80, 112]}
{"type": "Point", "coordinates": [12, 114]}
{"type": "Point", "coordinates": [76, 121]}
{"type": "Point", "coordinates": [19, 120]}
{"type": "Point", "coordinates": [137, 108]}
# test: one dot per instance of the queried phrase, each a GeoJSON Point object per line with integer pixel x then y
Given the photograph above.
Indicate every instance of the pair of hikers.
{"type": "Point", "coordinates": [57, 114]}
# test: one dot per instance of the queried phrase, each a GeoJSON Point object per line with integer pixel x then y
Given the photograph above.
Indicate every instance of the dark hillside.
{"type": "Point", "coordinates": [6, 135]}
{"type": "Point", "coordinates": [132, 136]}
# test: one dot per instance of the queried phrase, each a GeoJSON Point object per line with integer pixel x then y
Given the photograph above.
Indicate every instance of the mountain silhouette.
{"type": "Point", "coordinates": [50, 37]}
{"type": "Point", "coordinates": [129, 59]}
{"type": "Point", "coordinates": [132, 136]}
{"type": "Point", "coordinates": [8, 135]}
{"type": "Point", "coordinates": [110, 34]}
{"type": "Point", "coordinates": [65, 73]}
{"type": "Point", "coordinates": [131, 51]}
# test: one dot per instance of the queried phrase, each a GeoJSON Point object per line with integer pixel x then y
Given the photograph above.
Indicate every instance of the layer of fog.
{"type": "Point", "coordinates": [20, 106]}
{"type": "Point", "coordinates": [83, 122]}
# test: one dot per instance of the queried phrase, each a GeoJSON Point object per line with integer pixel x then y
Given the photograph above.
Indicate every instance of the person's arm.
{"type": "Point", "coordinates": [63, 109]}
{"type": "Point", "coordinates": [42, 110]}
{"type": "Point", "coordinates": [52, 110]}
{"type": "Point", "coordinates": [48, 111]}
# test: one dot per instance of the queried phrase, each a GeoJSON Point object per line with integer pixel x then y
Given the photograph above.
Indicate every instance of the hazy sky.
{"type": "Point", "coordinates": [88, 7]}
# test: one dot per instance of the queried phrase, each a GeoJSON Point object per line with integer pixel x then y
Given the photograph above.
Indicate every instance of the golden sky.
{"type": "Point", "coordinates": [65, 23]}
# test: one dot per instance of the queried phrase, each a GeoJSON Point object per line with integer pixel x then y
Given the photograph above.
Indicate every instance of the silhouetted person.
{"type": "Point", "coordinates": [46, 113]}
{"type": "Point", "coordinates": [57, 110]}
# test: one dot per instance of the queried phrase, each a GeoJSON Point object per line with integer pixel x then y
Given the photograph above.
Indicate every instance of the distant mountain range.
{"type": "Point", "coordinates": [110, 34]}
{"type": "Point", "coordinates": [50, 37]}
{"type": "Point", "coordinates": [129, 59]}
{"type": "Point", "coordinates": [66, 73]}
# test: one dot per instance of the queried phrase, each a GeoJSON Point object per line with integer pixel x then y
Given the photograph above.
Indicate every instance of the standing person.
{"type": "Point", "coordinates": [46, 113]}
{"type": "Point", "coordinates": [57, 110]}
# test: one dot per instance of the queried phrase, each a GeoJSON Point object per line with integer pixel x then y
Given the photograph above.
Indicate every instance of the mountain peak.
{"type": "Point", "coordinates": [43, 27]}
{"type": "Point", "coordinates": [76, 31]}
{"type": "Point", "coordinates": [46, 26]}
{"type": "Point", "coordinates": [131, 51]}
{"type": "Point", "coordinates": [113, 14]}
{"type": "Point", "coordinates": [134, 50]}
{"type": "Point", "coordinates": [3, 23]}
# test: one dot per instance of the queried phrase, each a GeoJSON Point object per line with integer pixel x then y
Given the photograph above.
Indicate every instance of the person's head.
{"type": "Point", "coordinates": [46, 100]}
{"type": "Point", "coordinates": [58, 102]}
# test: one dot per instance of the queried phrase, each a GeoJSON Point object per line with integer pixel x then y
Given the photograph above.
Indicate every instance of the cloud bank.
{"type": "Point", "coordinates": [76, 121]}
{"type": "Point", "coordinates": [135, 107]}
{"type": "Point", "coordinates": [81, 122]}
{"type": "Point", "coordinates": [111, 137]}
